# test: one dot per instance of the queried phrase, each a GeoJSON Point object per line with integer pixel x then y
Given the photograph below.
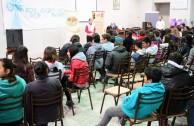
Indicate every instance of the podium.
{"type": "Point", "coordinates": [121, 33]}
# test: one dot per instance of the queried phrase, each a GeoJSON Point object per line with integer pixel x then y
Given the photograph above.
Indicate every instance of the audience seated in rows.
{"type": "Point", "coordinates": [42, 84]}
{"type": "Point", "coordinates": [11, 85]}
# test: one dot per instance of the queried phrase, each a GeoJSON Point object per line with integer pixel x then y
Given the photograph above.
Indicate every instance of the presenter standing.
{"type": "Point", "coordinates": [90, 29]}
{"type": "Point", "coordinates": [160, 24]}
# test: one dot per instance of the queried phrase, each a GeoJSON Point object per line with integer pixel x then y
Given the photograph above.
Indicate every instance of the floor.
{"type": "Point", "coordinates": [85, 116]}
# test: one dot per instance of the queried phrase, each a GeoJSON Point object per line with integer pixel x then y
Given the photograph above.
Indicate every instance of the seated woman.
{"type": "Point", "coordinates": [24, 69]}
{"type": "Point", "coordinates": [42, 84]}
{"type": "Point", "coordinates": [127, 108]}
{"type": "Point", "coordinates": [10, 85]}
{"type": "Point", "coordinates": [50, 58]}
{"type": "Point", "coordinates": [78, 60]}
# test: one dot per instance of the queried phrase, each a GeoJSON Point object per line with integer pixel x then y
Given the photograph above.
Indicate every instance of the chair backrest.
{"type": "Point", "coordinates": [57, 50]}
{"type": "Point", "coordinates": [34, 60]}
{"type": "Point", "coordinates": [83, 72]}
{"type": "Point", "coordinates": [145, 99]}
{"type": "Point", "coordinates": [55, 74]}
{"type": "Point", "coordinates": [124, 65]}
{"type": "Point", "coordinates": [96, 56]}
{"type": "Point", "coordinates": [10, 51]}
{"type": "Point", "coordinates": [151, 59]}
{"type": "Point", "coordinates": [46, 99]}
{"type": "Point", "coordinates": [176, 94]}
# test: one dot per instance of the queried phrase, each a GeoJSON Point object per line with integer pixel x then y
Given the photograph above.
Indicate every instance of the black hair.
{"type": "Point", "coordinates": [112, 39]}
{"type": "Point", "coordinates": [7, 64]}
{"type": "Point", "coordinates": [73, 50]}
{"type": "Point", "coordinates": [147, 40]}
{"type": "Point", "coordinates": [75, 38]}
{"type": "Point", "coordinates": [50, 54]}
{"type": "Point", "coordinates": [40, 68]}
{"type": "Point", "coordinates": [96, 37]}
{"type": "Point", "coordinates": [189, 39]}
{"type": "Point", "coordinates": [176, 57]}
{"type": "Point", "coordinates": [138, 43]}
{"type": "Point", "coordinates": [153, 73]}
{"type": "Point", "coordinates": [193, 42]}
{"type": "Point", "coordinates": [151, 36]}
{"type": "Point", "coordinates": [20, 55]}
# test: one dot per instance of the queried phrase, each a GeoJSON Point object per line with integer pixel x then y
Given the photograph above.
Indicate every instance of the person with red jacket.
{"type": "Point", "coordinates": [78, 60]}
{"type": "Point", "coordinates": [90, 29]}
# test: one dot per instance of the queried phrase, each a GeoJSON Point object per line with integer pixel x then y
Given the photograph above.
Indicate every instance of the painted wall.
{"type": "Point", "coordinates": [131, 13]}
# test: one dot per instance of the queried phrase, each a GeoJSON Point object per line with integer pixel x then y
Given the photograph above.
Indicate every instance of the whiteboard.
{"type": "Point", "coordinates": [179, 4]}
{"type": "Point", "coordinates": [85, 8]}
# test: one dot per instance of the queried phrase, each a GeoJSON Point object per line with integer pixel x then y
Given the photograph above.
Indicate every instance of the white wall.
{"type": "Point", "coordinates": [131, 13]}
{"type": "Point", "coordinates": [182, 14]}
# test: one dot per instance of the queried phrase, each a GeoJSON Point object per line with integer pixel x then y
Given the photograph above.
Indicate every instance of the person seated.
{"type": "Point", "coordinates": [81, 49]}
{"type": "Point", "coordinates": [142, 34]}
{"type": "Point", "coordinates": [138, 51]}
{"type": "Point", "coordinates": [128, 41]}
{"type": "Point", "coordinates": [10, 85]}
{"type": "Point", "coordinates": [113, 59]}
{"type": "Point", "coordinates": [78, 60]}
{"type": "Point", "coordinates": [96, 46]}
{"type": "Point", "coordinates": [24, 69]}
{"type": "Point", "coordinates": [106, 44]}
{"type": "Point", "coordinates": [186, 46]}
{"type": "Point", "coordinates": [127, 108]}
{"type": "Point", "coordinates": [43, 84]}
{"type": "Point", "coordinates": [50, 57]}
{"type": "Point", "coordinates": [157, 36]}
{"type": "Point", "coordinates": [191, 57]}
{"type": "Point", "coordinates": [63, 50]}
{"type": "Point", "coordinates": [113, 26]}
{"type": "Point", "coordinates": [174, 76]}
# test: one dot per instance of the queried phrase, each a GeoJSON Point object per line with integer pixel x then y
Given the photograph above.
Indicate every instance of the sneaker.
{"type": "Point", "coordinates": [69, 103]}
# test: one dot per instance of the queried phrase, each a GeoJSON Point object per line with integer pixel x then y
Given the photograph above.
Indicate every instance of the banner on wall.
{"type": "Point", "coordinates": [98, 17]}
{"type": "Point", "coordinates": [36, 14]}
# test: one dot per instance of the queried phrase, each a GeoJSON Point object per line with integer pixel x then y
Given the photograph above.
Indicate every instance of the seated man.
{"type": "Point", "coordinates": [127, 108]}
{"type": "Point", "coordinates": [191, 57]}
{"type": "Point", "coordinates": [148, 48]}
{"type": "Point", "coordinates": [175, 77]}
{"type": "Point", "coordinates": [113, 59]}
{"type": "Point", "coordinates": [106, 44]}
{"type": "Point", "coordinates": [96, 46]}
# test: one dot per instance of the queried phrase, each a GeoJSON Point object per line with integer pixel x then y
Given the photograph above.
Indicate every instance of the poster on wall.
{"type": "Point", "coordinates": [36, 14]}
{"type": "Point", "coordinates": [98, 17]}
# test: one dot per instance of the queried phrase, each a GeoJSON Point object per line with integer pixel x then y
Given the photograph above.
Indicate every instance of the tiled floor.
{"type": "Point", "coordinates": [84, 116]}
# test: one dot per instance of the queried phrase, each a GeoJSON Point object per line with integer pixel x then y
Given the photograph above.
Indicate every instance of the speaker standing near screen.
{"type": "Point", "coordinates": [90, 29]}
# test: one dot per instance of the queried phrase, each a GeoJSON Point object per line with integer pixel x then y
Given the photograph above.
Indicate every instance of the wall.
{"type": "Point", "coordinates": [182, 13]}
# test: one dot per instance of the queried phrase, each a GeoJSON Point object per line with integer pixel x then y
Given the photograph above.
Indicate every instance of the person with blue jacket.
{"type": "Point", "coordinates": [127, 108]}
{"type": "Point", "coordinates": [10, 85]}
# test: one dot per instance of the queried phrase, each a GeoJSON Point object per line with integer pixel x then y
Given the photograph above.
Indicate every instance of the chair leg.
{"type": "Point", "coordinates": [80, 95]}
{"type": "Point", "coordinates": [61, 122]}
{"type": "Point", "coordinates": [102, 103]}
{"type": "Point", "coordinates": [116, 100]}
{"type": "Point", "coordinates": [149, 123]}
{"type": "Point", "coordinates": [173, 121]}
{"type": "Point", "coordinates": [55, 123]}
{"type": "Point", "coordinates": [72, 104]}
{"type": "Point", "coordinates": [90, 98]}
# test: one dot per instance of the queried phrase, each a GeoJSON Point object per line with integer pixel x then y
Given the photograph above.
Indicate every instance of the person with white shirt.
{"type": "Point", "coordinates": [160, 24]}
{"type": "Point", "coordinates": [90, 29]}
